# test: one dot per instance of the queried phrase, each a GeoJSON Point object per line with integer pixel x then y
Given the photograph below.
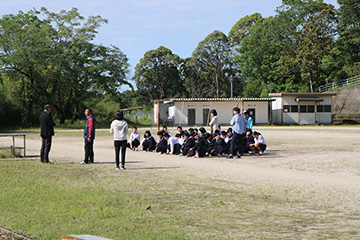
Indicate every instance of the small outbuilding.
{"type": "Point", "coordinates": [196, 111]}
{"type": "Point", "coordinates": [302, 108]}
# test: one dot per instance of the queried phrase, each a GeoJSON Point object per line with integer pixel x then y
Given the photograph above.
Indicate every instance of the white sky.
{"type": "Point", "coordinates": [136, 26]}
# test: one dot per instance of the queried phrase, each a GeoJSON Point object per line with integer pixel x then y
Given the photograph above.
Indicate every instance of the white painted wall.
{"type": "Point", "coordinates": [305, 118]}
{"type": "Point", "coordinates": [224, 110]}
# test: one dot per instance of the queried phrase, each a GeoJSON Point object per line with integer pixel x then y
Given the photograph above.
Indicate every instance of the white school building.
{"type": "Point", "coordinates": [302, 108]}
{"type": "Point", "coordinates": [196, 111]}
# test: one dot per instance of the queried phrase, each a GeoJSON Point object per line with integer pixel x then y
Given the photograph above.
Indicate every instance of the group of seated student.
{"type": "Point", "coordinates": [196, 143]}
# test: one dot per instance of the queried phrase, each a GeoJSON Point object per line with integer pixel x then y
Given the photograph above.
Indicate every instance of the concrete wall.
{"type": "Point", "coordinates": [179, 111]}
{"type": "Point", "coordinates": [305, 118]}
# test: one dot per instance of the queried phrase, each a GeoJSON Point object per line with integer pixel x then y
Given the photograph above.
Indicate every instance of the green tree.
{"type": "Point", "coordinates": [212, 59]}
{"type": "Point", "coordinates": [158, 74]}
{"type": "Point", "coordinates": [54, 60]}
{"type": "Point", "coordinates": [310, 27]}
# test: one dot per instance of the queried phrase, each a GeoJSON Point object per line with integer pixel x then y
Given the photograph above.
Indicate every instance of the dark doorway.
{"type": "Point", "coordinates": [252, 114]}
{"type": "Point", "coordinates": [206, 116]}
{"type": "Point", "coordinates": [191, 117]}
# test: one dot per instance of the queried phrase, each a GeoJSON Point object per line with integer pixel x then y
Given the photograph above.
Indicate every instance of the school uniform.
{"type": "Point", "coordinates": [188, 143]}
{"type": "Point", "coordinates": [260, 139]}
{"type": "Point", "coordinates": [162, 146]}
{"type": "Point", "coordinates": [181, 141]}
{"type": "Point", "coordinates": [220, 147]}
{"type": "Point", "coordinates": [211, 146]}
{"type": "Point", "coordinates": [228, 140]}
{"type": "Point", "coordinates": [201, 147]}
{"type": "Point", "coordinates": [249, 140]}
{"type": "Point", "coordinates": [134, 140]}
{"type": "Point", "coordinates": [173, 145]}
{"type": "Point", "coordinates": [149, 144]}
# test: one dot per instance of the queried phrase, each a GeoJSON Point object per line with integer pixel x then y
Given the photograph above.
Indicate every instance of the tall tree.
{"type": "Point", "coordinates": [158, 73]}
{"type": "Point", "coordinates": [55, 60]}
{"type": "Point", "coordinates": [212, 57]}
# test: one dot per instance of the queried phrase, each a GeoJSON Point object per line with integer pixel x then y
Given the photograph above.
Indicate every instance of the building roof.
{"type": "Point", "coordinates": [302, 94]}
{"type": "Point", "coordinates": [218, 99]}
{"type": "Point", "coordinates": [132, 108]}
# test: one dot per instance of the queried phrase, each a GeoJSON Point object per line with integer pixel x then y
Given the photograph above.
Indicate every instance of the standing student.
{"type": "Point", "coordinates": [239, 124]}
{"type": "Point", "coordinates": [214, 123]}
{"type": "Point", "coordinates": [248, 118]}
{"type": "Point", "coordinates": [134, 139]}
{"type": "Point", "coordinates": [149, 142]}
{"type": "Point", "coordinates": [119, 128]}
{"type": "Point", "coordinates": [46, 133]}
{"type": "Point", "coordinates": [89, 137]}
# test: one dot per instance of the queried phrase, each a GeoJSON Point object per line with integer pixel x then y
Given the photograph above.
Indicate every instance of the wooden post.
{"type": "Point", "coordinates": [315, 112]}
{"type": "Point", "coordinates": [282, 110]}
{"type": "Point", "coordinates": [158, 123]}
{"type": "Point", "coordinates": [298, 112]}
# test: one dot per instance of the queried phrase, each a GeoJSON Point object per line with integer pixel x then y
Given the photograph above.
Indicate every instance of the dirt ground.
{"type": "Point", "coordinates": [323, 156]}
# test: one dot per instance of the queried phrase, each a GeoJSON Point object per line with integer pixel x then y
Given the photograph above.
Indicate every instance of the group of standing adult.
{"type": "Point", "coordinates": [118, 128]}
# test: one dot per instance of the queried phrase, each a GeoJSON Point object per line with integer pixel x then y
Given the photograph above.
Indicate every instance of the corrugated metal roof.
{"type": "Point", "coordinates": [219, 99]}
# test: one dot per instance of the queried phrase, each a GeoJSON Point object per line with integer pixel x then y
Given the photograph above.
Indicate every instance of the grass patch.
{"type": "Point", "coordinates": [9, 153]}
{"type": "Point", "coordinates": [48, 201]}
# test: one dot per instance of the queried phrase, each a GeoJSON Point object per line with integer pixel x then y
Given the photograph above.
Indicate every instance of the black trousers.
{"type": "Point", "coordinates": [89, 151]}
{"type": "Point", "coordinates": [117, 145]}
{"type": "Point", "coordinates": [45, 149]}
{"type": "Point", "coordinates": [134, 143]}
{"type": "Point", "coordinates": [237, 142]}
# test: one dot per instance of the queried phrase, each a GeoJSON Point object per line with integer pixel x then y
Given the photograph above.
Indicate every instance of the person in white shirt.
{"type": "Point", "coordinates": [180, 138]}
{"type": "Point", "coordinates": [134, 139]}
{"type": "Point", "coordinates": [214, 123]}
{"type": "Point", "coordinates": [259, 145]}
{"type": "Point", "coordinates": [119, 128]}
{"type": "Point", "coordinates": [173, 144]}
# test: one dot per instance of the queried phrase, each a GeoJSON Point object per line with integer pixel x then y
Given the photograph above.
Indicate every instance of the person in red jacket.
{"type": "Point", "coordinates": [89, 136]}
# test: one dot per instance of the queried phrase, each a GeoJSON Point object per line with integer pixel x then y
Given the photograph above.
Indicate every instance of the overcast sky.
{"type": "Point", "coordinates": [136, 26]}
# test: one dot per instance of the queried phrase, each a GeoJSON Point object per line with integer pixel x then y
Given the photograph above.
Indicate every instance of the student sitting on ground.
{"type": "Point", "coordinates": [189, 143]}
{"type": "Point", "coordinates": [211, 144]}
{"type": "Point", "coordinates": [219, 147]}
{"type": "Point", "coordinates": [249, 139]}
{"type": "Point", "coordinates": [149, 142]}
{"type": "Point", "coordinates": [179, 129]}
{"type": "Point", "coordinates": [202, 131]}
{"type": "Point", "coordinates": [134, 139]}
{"type": "Point", "coordinates": [200, 147]}
{"type": "Point", "coordinates": [166, 130]}
{"type": "Point", "coordinates": [172, 144]}
{"type": "Point", "coordinates": [197, 132]}
{"type": "Point", "coordinates": [162, 144]}
{"type": "Point", "coordinates": [180, 138]}
{"type": "Point", "coordinates": [224, 136]}
{"type": "Point", "coordinates": [228, 139]}
{"type": "Point", "coordinates": [259, 146]}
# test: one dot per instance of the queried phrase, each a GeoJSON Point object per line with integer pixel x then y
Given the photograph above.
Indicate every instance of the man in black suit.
{"type": "Point", "coordinates": [47, 131]}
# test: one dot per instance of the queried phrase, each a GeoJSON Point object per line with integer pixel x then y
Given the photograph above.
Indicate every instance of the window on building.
{"type": "Point", "coordinates": [327, 108]}
{"type": "Point", "coordinates": [303, 108]}
{"type": "Point", "coordinates": [320, 108]}
{"type": "Point", "coordinates": [286, 108]}
{"type": "Point", "coordinates": [310, 108]}
{"type": "Point", "coordinates": [294, 108]}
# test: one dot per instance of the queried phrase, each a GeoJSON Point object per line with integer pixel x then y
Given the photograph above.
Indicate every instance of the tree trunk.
{"type": "Point", "coordinates": [311, 83]}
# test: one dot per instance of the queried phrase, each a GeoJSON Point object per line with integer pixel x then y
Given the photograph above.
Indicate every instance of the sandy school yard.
{"type": "Point", "coordinates": [305, 186]}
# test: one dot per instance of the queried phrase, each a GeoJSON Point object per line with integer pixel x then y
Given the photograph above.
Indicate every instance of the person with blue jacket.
{"type": "Point", "coordinates": [249, 119]}
{"type": "Point", "coordinates": [239, 124]}
{"type": "Point", "coordinates": [89, 136]}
